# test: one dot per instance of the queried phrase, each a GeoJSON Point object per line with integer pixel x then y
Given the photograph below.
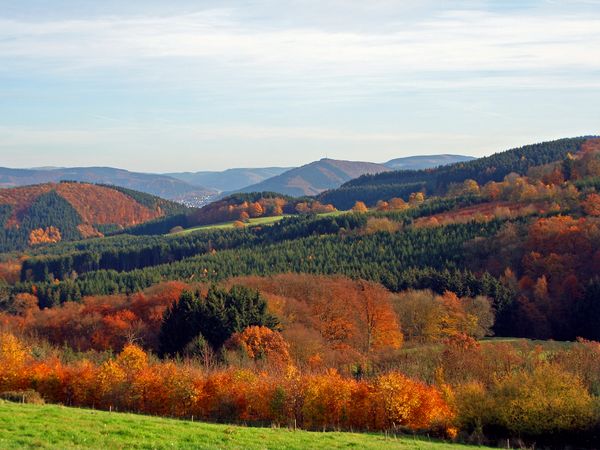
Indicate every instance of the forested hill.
{"type": "Point", "coordinates": [315, 177]}
{"type": "Point", "coordinates": [425, 161]}
{"type": "Point", "coordinates": [49, 213]}
{"type": "Point", "coordinates": [401, 183]}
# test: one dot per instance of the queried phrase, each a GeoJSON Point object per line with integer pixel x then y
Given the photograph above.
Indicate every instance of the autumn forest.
{"type": "Point", "coordinates": [460, 303]}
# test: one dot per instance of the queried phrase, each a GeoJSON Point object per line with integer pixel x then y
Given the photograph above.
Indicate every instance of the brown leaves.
{"type": "Point", "coordinates": [261, 344]}
{"type": "Point", "coordinates": [591, 205]}
{"type": "Point", "coordinates": [103, 322]}
{"type": "Point", "coordinates": [335, 318]}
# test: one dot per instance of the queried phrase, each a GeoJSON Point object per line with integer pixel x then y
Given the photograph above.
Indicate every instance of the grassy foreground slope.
{"type": "Point", "coordinates": [49, 426]}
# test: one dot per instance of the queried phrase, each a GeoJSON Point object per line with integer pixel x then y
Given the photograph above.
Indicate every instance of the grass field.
{"type": "Point", "coordinates": [251, 222]}
{"type": "Point", "coordinates": [225, 225]}
{"type": "Point", "coordinates": [50, 426]}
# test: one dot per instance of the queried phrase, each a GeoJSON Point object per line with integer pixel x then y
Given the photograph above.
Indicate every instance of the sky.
{"type": "Point", "coordinates": [178, 85]}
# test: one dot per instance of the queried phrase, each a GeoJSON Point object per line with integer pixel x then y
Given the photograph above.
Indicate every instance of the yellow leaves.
{"type": "Point", "coordinates": [326, 399]}
{"type": "Point", "coordinates": [547, 399]}
{"type": "Point", "coordinates": [13, 357]}
{"type": "Point", "coordinates": [48, 235]}
{"type": "Point", "coordinates": [396, 399]}
{"type": "Point", "coordinates": [416, 198]}
{"type": "Point", "coordinates": [313, 207]}
{"type": "Point", "coordinates": [109, 375]}
{"type": "Point", "coordinates": [467, 187]}
{"type": "Point", "coordinates": [389, 401]}
{"type": "Point", "coordinates": [472, 400]}
{"type": "Point", "coordinates": [409, 403]}
{"type": "Point", "coordinates": [132, 359]}
{"type": "Point", "coordinates": [315, 401]}
{"type": "Point", "coordinates": [12, 352]}
{"type": "Point", "coordinates": [542, 401]}
{"type": "Point", "coordinates": [380, 224]}
{"type": "Point", "coordinates": [428, 317]}
{"type": "Point", "coordinates": [360, 207]}
{"type": "Point", "coordinates": [470, 187]}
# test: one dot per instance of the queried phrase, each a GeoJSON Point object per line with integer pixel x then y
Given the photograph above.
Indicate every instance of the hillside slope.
{"type": "Point", "coordinates": [401, 183]}
{"type": "Point", "coordinates": [46, 213]}
{"type": "Point", "coordinates": [60, 427]}
{"type": "Point", "coordinates": [160, 185]}
{"type": "Point", "coordinates": [316, 177]}
{"type": "Point", "coordinates": [425, 161]}
{"type": "Point", "coordinates": [230, 179]}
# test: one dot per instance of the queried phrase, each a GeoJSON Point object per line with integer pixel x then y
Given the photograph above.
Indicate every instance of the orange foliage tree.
{"type": "Point", "coordinates": [103, 322]}
{"type": "Point", "coordinates": [261, 344]}
{"type": "Point", "coordinates": [360, 207]}
{"type": "Point", "coordinates": [330, 320]}
{"type": "Point", "coordinates": [255, 209]}
{"type": "Point", "coordinates": [48, 235]}
{"type": "Point", "coordinates": [134, 382]}
{"type": "Point", "coordinates": [591, 205]}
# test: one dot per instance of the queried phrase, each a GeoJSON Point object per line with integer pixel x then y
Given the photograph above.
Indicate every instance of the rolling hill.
{"type": "Point", "coordinates": [511, 258]}
{"type": "Point", "coordinates": [199, 188]}
{"type": "Point", "coordinates": [230, 179]}
{"type": "Point", "coordinates": [425, 161]}
{"type": "Point", "coordinates": [159, 185]}
{"type": "Point", "coordinates": [52, 212]}
{"type": "Point", "coordinates": [315, 177]}
{"type": "Point", "coordinates": [401, 183]}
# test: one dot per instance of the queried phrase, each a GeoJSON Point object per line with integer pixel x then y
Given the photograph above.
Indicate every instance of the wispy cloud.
{"type": "Point", "coordinates": [215, 85]}
{"type": "Point", "coordinates": [454, 42]}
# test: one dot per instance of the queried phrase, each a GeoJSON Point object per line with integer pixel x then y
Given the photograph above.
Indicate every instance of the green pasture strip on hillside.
{"type": "Point", "coordinates": [225, 225]}
{"type": "Point", "coordinates": [51, 426]}
{"type": "Point", "coordinates": [252, 222]}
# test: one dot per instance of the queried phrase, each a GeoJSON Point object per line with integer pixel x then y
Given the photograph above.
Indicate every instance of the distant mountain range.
{"type": "Point", "coordinates": [159, 185]}
{"type": "Point", "coordinates": [325, 174]}
{"type": "Point", "coordinates": [315, 177]}
{"type": "Point", "coordinates": [199, 188]}
{"type": "Point", "coordinates": [230, 179]}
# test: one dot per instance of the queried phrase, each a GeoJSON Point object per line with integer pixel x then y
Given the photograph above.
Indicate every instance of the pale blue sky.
{"type": "Point", "coordinates": [191, 85]}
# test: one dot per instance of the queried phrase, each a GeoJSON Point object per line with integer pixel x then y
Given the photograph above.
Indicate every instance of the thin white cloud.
{"type": "Point", "coordinates": [459, 41]}
{"type": "Point", "coordinates": [485, 78]}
